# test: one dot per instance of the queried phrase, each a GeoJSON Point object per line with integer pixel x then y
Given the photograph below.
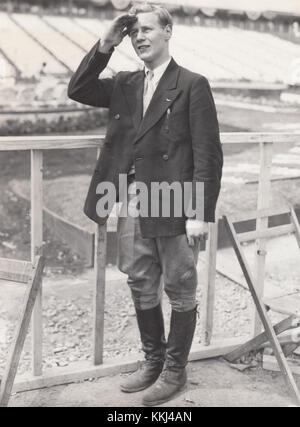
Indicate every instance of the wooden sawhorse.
{"type": "Point", "coordinates": [291, 301]}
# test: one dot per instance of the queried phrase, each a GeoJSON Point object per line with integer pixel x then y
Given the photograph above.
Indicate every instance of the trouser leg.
{"type": "Point", "coordinates": [138, 258]}
{"type": "Point", "coordinates": [179, 265]}
{"type": "Point", "coordinates": [180, 276]}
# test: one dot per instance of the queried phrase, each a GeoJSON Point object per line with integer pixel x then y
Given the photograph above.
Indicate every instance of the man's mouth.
{"type": "Point", "coordinates": [143, 48]}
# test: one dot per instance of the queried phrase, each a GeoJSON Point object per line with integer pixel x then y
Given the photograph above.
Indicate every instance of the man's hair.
{"type": "Point", "coordinates": [164, 16]}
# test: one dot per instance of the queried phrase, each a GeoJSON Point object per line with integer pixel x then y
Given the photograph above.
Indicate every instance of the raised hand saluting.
{"type": "Point", "coordinates": [116, 32]}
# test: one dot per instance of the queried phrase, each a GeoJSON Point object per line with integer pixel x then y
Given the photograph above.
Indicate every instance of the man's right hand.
{"type": "Point", "coordinates": [115, 33]}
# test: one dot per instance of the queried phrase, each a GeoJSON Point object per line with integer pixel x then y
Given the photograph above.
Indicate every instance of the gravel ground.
{"type": "Point", "coordinates": [67, 318]}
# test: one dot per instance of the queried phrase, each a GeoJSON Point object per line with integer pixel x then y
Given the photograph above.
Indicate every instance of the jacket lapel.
{"type": "Point", "coordinates": [163, 98]}
{"type": "Point", "coordinates": [133, 90]}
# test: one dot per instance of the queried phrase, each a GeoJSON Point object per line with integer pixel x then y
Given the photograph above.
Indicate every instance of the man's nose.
{"type": "Point", "coordinates": [140, 36]}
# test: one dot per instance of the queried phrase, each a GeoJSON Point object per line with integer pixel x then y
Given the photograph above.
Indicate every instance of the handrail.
{"type": "Point", "coordinates": [56, 142]}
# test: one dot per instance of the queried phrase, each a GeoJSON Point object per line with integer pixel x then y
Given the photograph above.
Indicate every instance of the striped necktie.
{"type": "Point", "coordinates": [149, 90]}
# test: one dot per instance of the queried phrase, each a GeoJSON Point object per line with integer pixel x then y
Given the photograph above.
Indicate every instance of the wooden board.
{"type": "Point", "coordinates": [8, 143]}
{"type": "Point", "coordinates": [256, 342]}
{"type": "Point", "coordinates": [22, 328]}
{"type": "Point", "coordinates": [270, 364]}
{"type": "Point", "coordinates": [79, 371]}
{"type": "Point", "coordinates": [260, 213]}
{"type": "Point", "coordinates": [280, 230]}
{"type": "Point", "coordinates": [285, 304]}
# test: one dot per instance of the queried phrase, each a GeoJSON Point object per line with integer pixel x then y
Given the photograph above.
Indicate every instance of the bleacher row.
{"type": "Point", "coordinates": [222, 54]}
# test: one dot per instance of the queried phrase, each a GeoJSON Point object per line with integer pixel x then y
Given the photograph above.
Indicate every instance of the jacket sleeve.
{"type": "Point", "coordinates": [207, 149]}
{"type": "Point", "coordinates": [85, 85]}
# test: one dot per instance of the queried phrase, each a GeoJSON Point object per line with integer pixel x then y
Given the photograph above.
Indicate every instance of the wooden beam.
{"type": "Point", "coordinates": [256, 342]}
{"type": "Point", "coordinates": [37, 249]}
{"type": "Point", "coordinates": [15, 270]}
{"type": "Point", "coordinates": [261, 213]}
{"type": "Point", "coordinates": [270, 364]}
{"type": "Point", "coordinates": [208, 298]}
{"type": "Point", "coordinates": [48, 142]}
{"type": "Point", "coordinates": [80, 371]}
{"type": "Point", "coordinates": [259, 137]}
{"type": "Point", "coordinates": [22, 328]}
{"type": "Point", "coordinates": [277, 231]}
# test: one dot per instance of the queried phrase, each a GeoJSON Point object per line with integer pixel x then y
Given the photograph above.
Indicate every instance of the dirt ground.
{"type": "Point", "coordinates": [211, 383]}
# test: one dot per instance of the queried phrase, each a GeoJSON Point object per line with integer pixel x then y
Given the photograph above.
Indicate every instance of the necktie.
{"type": "Point", "coordinates": [148, 90]}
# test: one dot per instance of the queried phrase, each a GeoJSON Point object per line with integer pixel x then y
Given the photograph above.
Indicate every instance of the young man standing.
{"type": "Point", "coordinates": [162, 128]}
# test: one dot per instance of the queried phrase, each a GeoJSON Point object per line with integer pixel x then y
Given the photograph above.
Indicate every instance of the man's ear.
{"type": "Point", "coordinates": [168, 31]}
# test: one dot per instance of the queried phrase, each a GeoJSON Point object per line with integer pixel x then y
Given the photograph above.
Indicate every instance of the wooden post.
{"type": "Point", "coordinates": [263, 202]}
{"type": "Point", "coordinates": [99, 295]}
{"type": "Point", "coordinates": [208, 300]}
{"type": "Point", "coordinates": [36, 249]}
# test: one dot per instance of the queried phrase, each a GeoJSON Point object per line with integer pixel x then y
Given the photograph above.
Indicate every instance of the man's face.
{"type": "Point", "coordinates": [149, 39]}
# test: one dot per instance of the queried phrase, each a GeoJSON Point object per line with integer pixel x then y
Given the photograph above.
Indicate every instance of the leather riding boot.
{"type": "Point", "coordinates": [173, 377]}
{"type": "Point", "coordinates": [151, 326]}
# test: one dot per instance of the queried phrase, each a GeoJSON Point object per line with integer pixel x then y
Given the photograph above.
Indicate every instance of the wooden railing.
{"type": "Point", "coordinates": [37, 145]}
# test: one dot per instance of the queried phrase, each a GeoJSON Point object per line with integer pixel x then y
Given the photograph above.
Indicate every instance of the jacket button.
{"type": "Point", "coordinates": [165, 157]}
{"type": "Point", "coordinates": [117, 116]}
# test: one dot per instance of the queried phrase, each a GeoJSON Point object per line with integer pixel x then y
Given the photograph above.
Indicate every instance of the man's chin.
{"type": "Point", "coordinates": [144, 56]}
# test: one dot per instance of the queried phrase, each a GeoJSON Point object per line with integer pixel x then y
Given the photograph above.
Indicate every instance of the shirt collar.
{"type": "Point", "coordinates": [159, 71]}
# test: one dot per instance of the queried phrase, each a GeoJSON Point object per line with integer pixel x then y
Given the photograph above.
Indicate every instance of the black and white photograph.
{"type": "Point", "coordinates": [149, 206]}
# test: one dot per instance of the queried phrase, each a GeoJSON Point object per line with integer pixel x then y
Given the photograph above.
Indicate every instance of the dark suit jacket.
{"type": "Point", "coordinates": [177, 140]}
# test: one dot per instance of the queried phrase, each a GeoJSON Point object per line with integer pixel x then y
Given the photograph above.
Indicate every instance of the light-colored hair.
{"type": "Point", "coordinates": [164, 16]}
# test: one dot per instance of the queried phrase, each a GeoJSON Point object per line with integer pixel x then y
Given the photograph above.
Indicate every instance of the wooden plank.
{"type": "Point", "coordinates": [261, 213]}
{"type": "Point", "coordinates": [22, 328]}
{"type": "Point", "coordinates": [263, 313]}
{"type": "Point", "coordinates": [8, 143]}
{"type": "Point", "coordinates": [285, 304]}
{"type": "Point", "coordinates": [288, 349]}
{"type": "Point", "coordinates": [80, 371]}
{"type": "Point", "coordinates": [80, 240]}
{"type": "Point", "coordinates": [270, 364]}
{"type": "Point", "coordinates": [99, 294]}
{"type": "Point", "coordinates": [208, 298]}
{"type": "Point", "coordinates": [256, 342]}
{"type": "Point", "coordinates": [37, 249]}
{"type": "Point", "coordinates": [15, 270]}
{"type": "Point", "coordinates": [259, 137]}
{"type": "Point", "coordinates": [280, 230]}
{"type": "Point", "coordinates": [295, 222]}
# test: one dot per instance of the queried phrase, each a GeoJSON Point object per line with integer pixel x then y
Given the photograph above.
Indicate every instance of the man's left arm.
{"type": "Point", "coordinates": [207, 154]}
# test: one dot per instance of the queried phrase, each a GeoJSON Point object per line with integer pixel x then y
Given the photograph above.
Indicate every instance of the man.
{"type": "Point", "coordinates": [162, 128]}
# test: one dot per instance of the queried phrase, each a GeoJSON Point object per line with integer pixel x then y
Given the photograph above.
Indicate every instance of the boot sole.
{"type": "Point", "coordinates": [130, 390]}
{"type": "Point", "coordinates": [160, 402]}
